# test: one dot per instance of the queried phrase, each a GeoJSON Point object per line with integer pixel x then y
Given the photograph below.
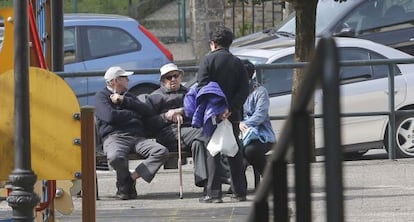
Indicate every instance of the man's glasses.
{"type": "Point", "coordinates": [124, 77]}
{"type": "Point", "coordinates": [170, 77]}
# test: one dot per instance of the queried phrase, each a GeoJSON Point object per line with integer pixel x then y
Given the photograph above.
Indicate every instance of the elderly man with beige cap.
{"type": "Point", "coordinates": [119, 116]}
{"type": "Point", "coordinates": [167, 103]}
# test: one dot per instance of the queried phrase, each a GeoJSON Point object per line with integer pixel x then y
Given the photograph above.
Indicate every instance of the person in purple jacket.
{"type": "Point", "coordinates": [119, 119]}
{"type": "Point", "coordinates": [228, 72]}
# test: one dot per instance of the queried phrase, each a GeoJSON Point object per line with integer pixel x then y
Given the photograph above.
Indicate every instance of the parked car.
{"type": "Point", "coordinates": [94, 42]}
{"type": "Point", "coordinates": [363, 89]}
{"type": "Point", "coordinates": [1, 34]}
{"type": "Point", "coordinates": [389, 22]}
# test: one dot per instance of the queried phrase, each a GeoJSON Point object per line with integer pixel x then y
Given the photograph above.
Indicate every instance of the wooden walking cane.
{"type": "Point", "coordinates": [180, 171]}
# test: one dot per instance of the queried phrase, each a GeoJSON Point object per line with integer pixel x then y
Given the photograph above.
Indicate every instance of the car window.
{"type": "Point", "coordinates": [279, 81]}
{"type": "Point", "coordinates": [107, 41]}
{"type": "Point", "coordinates": [326, 11]}
{"type": "Point", "coordinates": [380, 15]}
{"type": "Point", "coordinates": [69, 44]}
{"type": "Point", "coordinates": [362, 73]}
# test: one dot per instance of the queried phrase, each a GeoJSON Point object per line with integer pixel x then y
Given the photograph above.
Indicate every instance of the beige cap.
{"type": "Point", "coordinates": [168, 68]}
{"type": "Point", "coordinates": [114, 72]}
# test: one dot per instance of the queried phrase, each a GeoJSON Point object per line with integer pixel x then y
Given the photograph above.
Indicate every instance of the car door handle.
{"type": "Point", "coordinates": [387, 92]}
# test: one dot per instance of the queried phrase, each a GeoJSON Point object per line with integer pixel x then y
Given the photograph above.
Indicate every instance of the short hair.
{"type": "Point", "coordinates": [222, 36]}
{"type": "Point", "coordinates": [250, 68]}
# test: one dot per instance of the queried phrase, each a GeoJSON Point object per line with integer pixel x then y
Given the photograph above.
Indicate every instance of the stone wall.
{"type": "Point", "coordinates": [205, 15]}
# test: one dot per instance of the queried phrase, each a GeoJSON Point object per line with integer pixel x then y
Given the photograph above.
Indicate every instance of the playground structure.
{"type": "Point", "coordinates": [46, 146]}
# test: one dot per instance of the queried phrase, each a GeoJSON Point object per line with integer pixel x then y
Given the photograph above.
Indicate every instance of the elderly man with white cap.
{"type": "Point", "coordinates": [167, 104]}
{"type": "Point", "coordinates": [119, 116]}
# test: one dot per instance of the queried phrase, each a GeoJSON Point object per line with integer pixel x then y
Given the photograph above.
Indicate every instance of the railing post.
{"type": "Point", "coordinates": [301, 141]}
{"type": "Point", "coordinates": [280, 191]}
{"type": "Point", "coordinates": [88, 164]}
{"type": "Point", "coordinates": [332, 133]}
{"type": "Point", "coordinates": [391, 118]}
{"type": "Point", "coordinates": [182, 20]}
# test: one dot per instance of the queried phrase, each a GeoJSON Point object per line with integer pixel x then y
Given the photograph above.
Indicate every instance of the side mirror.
{"type": "Point", "coordinates": [345, 32]}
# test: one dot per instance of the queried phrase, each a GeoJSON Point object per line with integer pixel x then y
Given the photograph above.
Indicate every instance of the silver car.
{"type": "Point", "coordinates": [363, 89]}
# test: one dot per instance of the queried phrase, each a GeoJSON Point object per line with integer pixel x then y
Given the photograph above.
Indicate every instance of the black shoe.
{"type": "Point", "coordinates": [127, 191]}
{"type": "Point", "coordinates": [133, 191]}
{"type": "Point", "coordinates": [121, 194]}
{"type": "Point", "coordinates": [238, 198]}
{"type": "Point", "coordinates": [208, 199]}
{"type": "Point", "coordinates": [127, 196]}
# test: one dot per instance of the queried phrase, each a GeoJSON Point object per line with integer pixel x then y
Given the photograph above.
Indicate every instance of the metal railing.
{"type": "Point", "coordinates": [391, 113]}
{"type": "Point", "coordinates": [323, 70]}
{"type": "Point", "coordinates": [252, 16]}
{"type": "Point", "coordinates": [191, 70]}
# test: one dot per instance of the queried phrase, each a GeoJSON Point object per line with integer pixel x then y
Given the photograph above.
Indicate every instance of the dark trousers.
{"type": "Point", "coordinates": [254, 152]}
{"type": "Point", "coordinates": [194, 141]}
{"type": "Point", "coordinates": [215, 171]}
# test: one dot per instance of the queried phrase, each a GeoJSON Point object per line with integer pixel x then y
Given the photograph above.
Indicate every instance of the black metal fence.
{"type": "Point", "coordinates": [249, 17]}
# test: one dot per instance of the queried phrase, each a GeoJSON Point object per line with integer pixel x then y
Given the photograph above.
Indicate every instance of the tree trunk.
{"type": "Point", "coordinates": [304, 47]}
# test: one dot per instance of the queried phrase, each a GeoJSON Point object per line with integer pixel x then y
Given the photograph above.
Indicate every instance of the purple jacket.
{"type": "Point", "coordinates": [205, 105]}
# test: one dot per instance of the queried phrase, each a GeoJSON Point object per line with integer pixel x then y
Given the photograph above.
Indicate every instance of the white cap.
{"type": "Point", "coordinates": [168, 68]}
{"type": "Point", "coordinates": [114, 72]}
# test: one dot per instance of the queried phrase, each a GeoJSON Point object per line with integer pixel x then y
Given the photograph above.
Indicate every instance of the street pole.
{"type": "Point", "coordinates": [182, 20]}
{"type": "Point", "coordinates": [22, 197]}
{"type": "Point", "coordinates": [57, 35]}
{"type": "Point", "coordinates": [75, 6]}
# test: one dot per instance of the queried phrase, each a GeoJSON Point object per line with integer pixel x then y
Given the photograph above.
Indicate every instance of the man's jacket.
{"type": "Point", "coordinates": [124, 117]}
{"type": "Point", "coordinates": [228, 71]}
{"type": "Point", "coordinates": [160, 101]}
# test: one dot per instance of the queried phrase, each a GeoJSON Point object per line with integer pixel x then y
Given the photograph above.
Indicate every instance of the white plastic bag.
{"type": "Point", "coordinates": [223, 140]}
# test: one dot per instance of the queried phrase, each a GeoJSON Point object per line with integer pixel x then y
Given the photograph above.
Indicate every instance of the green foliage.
{"type": "Point", "coordinates": [255, 2]}
{"type": "Point", "coordinates": [97, 6]}
{"type": "Point", "coordinates": [244, 29]}
{"type": "Point", "coordinates": [6, 3]}
{"type": "Point", "coordinates": [90, 6]}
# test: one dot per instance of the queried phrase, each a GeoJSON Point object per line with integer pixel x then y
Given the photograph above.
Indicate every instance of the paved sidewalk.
{"type": "Point", "coordinates": [375, 190]}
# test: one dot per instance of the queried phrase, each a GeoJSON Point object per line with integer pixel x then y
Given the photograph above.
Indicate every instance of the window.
{"type": "Point", "coordinates": [105, 41]}
{"type": "Point", "coordinates": [69, 44]}
{"type": "Point", "coordinates": [361, 73]}
{"type": "Point", "coordinates": [380, 15]}
{"type": "Point", "coordinates": [278, 81]}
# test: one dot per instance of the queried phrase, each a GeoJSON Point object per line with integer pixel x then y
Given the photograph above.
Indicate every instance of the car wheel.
{"type": "Point", "coordinates": [404, 136]}
{"type": "Point", "coordinates": [138, 90]}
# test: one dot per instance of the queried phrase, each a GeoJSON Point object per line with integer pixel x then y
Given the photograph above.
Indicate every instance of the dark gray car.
{"type": "Point", "coordinates": [389, 22]}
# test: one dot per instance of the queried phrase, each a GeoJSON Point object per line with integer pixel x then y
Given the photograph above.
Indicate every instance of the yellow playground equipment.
{"type": "Point", "coordinates": [55, 126]}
